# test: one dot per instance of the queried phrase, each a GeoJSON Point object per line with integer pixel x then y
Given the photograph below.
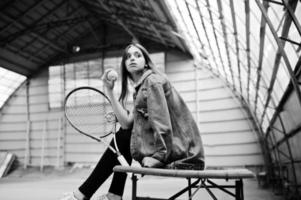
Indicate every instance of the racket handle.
{"type": "Point", "coordinates": [122, 161]}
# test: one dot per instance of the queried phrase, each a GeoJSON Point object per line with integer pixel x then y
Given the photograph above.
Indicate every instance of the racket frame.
{"type": "Point", "coordinates": [120, 158]}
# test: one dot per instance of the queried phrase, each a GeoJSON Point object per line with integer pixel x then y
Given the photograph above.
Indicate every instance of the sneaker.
{"type": "Point", "coordinates": [103, 197]}
{"type": "Point", "coordinates": [69, 196]}
{"type": "Point", "coordinates": [109, 196]}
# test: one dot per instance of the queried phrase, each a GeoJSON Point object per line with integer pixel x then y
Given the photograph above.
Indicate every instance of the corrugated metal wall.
{"type": "Point", "coordinates": [36, 138]}
{"type": "Point", "coordinates": [47, 140]}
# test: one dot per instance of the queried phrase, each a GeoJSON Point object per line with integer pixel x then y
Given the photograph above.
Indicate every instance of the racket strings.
{"type": "Point", "coordinates": [90, 114]}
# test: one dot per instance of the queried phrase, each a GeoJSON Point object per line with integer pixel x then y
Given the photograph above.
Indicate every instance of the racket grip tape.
{"type": "Point", "coordinates": [122, 161]}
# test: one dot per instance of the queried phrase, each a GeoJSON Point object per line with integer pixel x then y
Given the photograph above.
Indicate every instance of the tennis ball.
{"type": "Point", "coordinates": [112, 75]}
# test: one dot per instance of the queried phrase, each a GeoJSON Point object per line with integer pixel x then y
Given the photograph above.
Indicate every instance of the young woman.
{"type": "Point", "coordinates": [159, 132]}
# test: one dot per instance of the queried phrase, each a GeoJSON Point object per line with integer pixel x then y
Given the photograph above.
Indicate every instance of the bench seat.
{"type": "Point", "coordinates": [202, 179]}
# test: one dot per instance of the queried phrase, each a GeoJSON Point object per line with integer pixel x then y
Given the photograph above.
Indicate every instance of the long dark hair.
{"type": "Point", "coordinates": [126, 76]}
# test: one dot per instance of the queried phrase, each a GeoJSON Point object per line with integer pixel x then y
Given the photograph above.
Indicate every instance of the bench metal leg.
{"type": "Point", "coordinates": [239, 193]}
{"type": "Point", "coordinates": [134, 187]}
{"type": "Point", "coordinates": [189, 190]}
{"type": "Point", "coordinates": [186, 189]}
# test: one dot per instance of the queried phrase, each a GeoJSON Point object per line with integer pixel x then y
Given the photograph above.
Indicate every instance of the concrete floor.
{"type": "Point", "coordinates": [51, 184]}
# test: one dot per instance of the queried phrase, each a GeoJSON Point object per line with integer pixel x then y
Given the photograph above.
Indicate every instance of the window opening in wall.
{"type": "Point", "coordinates": [9, 82]}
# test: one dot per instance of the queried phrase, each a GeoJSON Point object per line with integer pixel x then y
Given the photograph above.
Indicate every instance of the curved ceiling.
{"type": "Point", "coordinates": [254, 46]}
{"type": "Point", "coordinates": [36, 33]}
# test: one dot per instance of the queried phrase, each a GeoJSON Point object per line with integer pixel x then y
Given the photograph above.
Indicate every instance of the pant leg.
{"type": "Point", "coordinates": [119, 179]}
{"type": "Point", "coordinates": [105, 165]}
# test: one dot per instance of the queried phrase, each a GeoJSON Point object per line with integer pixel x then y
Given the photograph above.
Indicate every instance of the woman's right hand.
{"type": "Point", "coordinates": [109, 84]}
{"type": "Point", "coordinates": [125, 119]}
{"type": "Point", "coordinates": [151, 162]}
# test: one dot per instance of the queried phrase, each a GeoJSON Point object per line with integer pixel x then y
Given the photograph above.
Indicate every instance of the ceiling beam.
{"type": "Point", "coordinates": [60, 35]}
{"type": "Point", "coordinates": [287, 142]}
{"type": "Point", "coordinates": [233, 50]}
{"type": "Point", "coordinates": [148, 35]}
{"type": "Point", "coordinates": [291, 7]}
{"type": "Point", "coordinates": [215, 37]}
{"type": "Point", "coordinates": [261, 53]}
{"type": "Point", "coordinates": [24, 54]}
{"type": "Point", "coordinates": [206, 33]}
{"type": "Point", "coordinates": [225, 36]}
{"type": "Point", "coordinates": [233, 15]}
{"type": "Point", "coordinates": [151, 17]}
{"type": "Point", "coordinates": [16, 63]}
{"type": "Point", "coordinates": [280, 53]}
{"type": "Point", "coordinates": [279, 109]}
{"type": "Point", "coordinates": [247, 11]}
{"type": "Point", "coordinates": [34, 34]}
{"type": "Point", "coordinates": [186, 27]}
{"type": "Point", "coordinates": [285, 97]}
{"type": "Point", "coordinates": [53, 25]}
{"type": "Point", "coordinates": [202, 53]}
{"type": "Point", "coordinates": [6, 4]}
{"type": "Point", "coordinates": [171, 26]}
{"type": "Point", "coordinates": [92, 28]}
{"type": "Point", "coordinates": [158, 34]}
{"type": "Point", "coordinates": [36, 4]}
{"type": "Point", "coordinates": [115, 17]}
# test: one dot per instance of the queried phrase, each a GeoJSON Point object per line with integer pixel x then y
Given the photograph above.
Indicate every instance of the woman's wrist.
{"type": "Point", "coordinates": [110, 94]}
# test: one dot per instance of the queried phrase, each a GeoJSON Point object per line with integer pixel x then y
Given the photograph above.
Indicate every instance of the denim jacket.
{"type": "Point", "coordinates": [163, 127]}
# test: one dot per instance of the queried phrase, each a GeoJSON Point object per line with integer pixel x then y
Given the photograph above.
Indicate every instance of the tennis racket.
{"type": "Point", "coordinates": [89, 111]}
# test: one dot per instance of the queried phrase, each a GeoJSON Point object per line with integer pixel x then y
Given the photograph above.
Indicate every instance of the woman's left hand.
{"type": "Point", "coordinates": [151, 162]}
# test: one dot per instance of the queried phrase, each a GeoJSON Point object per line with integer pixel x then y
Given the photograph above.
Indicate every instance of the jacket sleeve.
{"type": "Point", "coordinates": [159, 119]}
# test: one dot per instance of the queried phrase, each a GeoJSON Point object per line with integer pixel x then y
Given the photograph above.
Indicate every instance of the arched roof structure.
{"type": "Point", "coordinates": [253, 45]}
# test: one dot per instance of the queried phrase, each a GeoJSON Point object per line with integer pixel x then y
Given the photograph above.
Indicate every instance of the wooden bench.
{"type": "Point", "coordinates": [196, 179]}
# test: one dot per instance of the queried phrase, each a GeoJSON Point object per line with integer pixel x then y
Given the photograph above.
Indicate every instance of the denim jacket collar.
{"type": "Point", "coordinates": [142, 78]}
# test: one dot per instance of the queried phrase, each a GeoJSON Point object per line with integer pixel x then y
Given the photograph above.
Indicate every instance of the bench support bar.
{"type": "Point", "coordinates": [199, 183]}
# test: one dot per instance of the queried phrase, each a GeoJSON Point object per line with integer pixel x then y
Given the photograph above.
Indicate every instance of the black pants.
{"type": "Point", "coordinates": [105, 165]}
